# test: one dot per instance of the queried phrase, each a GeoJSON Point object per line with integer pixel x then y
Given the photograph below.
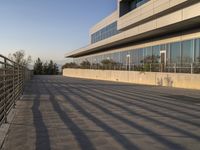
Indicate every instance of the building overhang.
{"type": "Point", "coordinates": [98, 47]}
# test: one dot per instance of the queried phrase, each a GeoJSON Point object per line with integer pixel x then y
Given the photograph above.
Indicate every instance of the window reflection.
{"type": "Point", "coordinates": [187, 51]}
{"type": "Point", "coordinates": [104, 33]}
{"type": "Point", "coordinates": [156, 54]}
{"type": "Point", "coordinates": [128, 5]}
{"type": "Point", "coordinates": [148, 55]}
{"type": "Point", "coordinates": [175, 52]}
{"type": "Point", "coordinates": [197, 50]}
{"type": "Point", "coordinates": [184, 52]}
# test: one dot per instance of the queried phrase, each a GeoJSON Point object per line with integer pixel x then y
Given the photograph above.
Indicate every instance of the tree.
{"type": "Point", "coordinates": [51, 68]}
{"type": "Point", "coordinates": [85, 64]}
{"type": "Point", "coordinates": [45, 68]}
{"type": "Point", "coordinates": [70, 65]}
{"type": "Point", "coordinates": [55, 69]}
{"type": "Point", "coordinates": [20, 58]}
{"type": "Point", "coordinates": [38, 67]}
{"type": "Point", "coordinates": [108, 63]}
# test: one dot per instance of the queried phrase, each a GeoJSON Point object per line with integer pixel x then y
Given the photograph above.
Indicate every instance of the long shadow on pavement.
{"type": "Point", "coordinates": [42, 136]}
{"type": "Point", "coordinates": [130, 111]}
{"type": "Point", "coordinates": [152, 134]}
{"type": "Point", "coordinates": [79, 135]}
{"type": "Point", "coordinates": [122, 140]}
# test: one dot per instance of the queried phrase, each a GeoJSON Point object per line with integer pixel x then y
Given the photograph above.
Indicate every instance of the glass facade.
{"type": "Point", "coordinates": [104, 33]}
{"type": "Point", "coordinates": [128, 5]}
{"type": "Point", "coordinates": [148, 55]}
{"type": "Point", "coordinates": [156, 54]}
{"type": "Point", "coordinates": [184, 52]}
{"type": "Point", "coordinates": [197, 51]}
{"type": "Point", "coordinates": [140, 2]}
{"type": "Point", "coordinates": [187, 51]}
{"type": "Point", "coordinates": [175, 52]}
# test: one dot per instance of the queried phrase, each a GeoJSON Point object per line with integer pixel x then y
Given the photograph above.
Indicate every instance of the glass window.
{"type": "Point", "coordinates": [179, 52]}
{"type": "Point", "coordinates": [141, 56]}
{"type": "Point", "coordinates": [124, 57]}
{"type": "Point", "coordinates": [116, 57]}
{"type": "Point", "coordinates": [168, 53]}
{"type": "Point", "coordinates": [134, 57]}
{"type": "Point", "coordinates": [156, 54]}
{"type": "Point", "coordinates": [175, 52]}
{"type": "Point", "coordinates": [163, 47]}
{"type": "Point", "coordinates": [140, 2]}
{"type": "Point", "coordinates": [187, 52]}
{"type": "Point", "coordinates": [148, 55]}
{"type": "Point", "coordinates": [104, 33]}
{"type": "Point", "coordinates": [133, 5]}
{"type": "Point", "coordinates": [197, 50]}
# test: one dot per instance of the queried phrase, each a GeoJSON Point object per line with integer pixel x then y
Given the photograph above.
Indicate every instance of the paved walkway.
{"type": "Point", "coordinates": [74, 114]}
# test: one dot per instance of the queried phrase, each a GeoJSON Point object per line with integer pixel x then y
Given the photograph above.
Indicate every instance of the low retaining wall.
{"type": "Point", "coordinates": [188, 81]}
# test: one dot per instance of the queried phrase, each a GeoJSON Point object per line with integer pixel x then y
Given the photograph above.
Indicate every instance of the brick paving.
{"type": "Point", "coordinates": [63, 113]}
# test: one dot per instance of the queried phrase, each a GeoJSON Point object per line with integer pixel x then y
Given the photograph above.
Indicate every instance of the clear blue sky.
{"type": "Point", "coordinates": [49, 28]}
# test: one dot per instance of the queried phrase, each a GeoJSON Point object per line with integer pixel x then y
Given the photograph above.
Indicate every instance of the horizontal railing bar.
{"type": "Point", "coordinates": [7, 59]}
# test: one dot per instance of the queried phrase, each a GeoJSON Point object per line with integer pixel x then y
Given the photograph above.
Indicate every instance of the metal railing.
{"type": "Point", "coordinates": [12, 80]}
{"type": "Point", "coordinates": [193, 68]}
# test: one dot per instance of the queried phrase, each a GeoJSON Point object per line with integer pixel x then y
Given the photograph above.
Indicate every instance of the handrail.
{"type": "Point", "coordinates": [192, 68]}
{"type": "Point", "coordinates": [12, 81]}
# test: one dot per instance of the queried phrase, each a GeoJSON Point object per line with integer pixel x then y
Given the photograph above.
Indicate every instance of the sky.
{"type": "Point", "coordinates": [49, 28]}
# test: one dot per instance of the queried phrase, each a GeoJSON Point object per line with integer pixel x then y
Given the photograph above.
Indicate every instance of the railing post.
{"type": "Point", "coordinates": [192, 68]}
{"type": "Point", "coordinates": [5, 95]}
{"type": "Point", "coordinates": [18, 85]}
{"type": "Point", "coordinates": [150, 67]}
{"type": "Point", "coordinates": [14, 85]}
{"type": "Point", "coordinates": [174, 68]}
{"type": "Point", "coordinates": [23, 79]}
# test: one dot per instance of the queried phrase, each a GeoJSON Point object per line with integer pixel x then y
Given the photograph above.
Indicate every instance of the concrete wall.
{"type": "Point", "coordinates": [188, 81]}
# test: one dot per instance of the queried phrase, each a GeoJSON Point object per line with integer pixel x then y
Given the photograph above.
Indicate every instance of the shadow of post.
{"type": "Point", "coordinates": [82, 139]}
{"type": "Point", "coordinates": [42, 136]}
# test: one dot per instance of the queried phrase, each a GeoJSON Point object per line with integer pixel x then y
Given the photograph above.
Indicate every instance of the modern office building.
{"type": "Point", "coordinates": [146, 31]}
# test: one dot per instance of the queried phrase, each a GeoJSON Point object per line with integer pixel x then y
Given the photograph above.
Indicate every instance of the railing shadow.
{"type": "Point", "coordinates": [109, 100]}
{"type": "Point", "coordinates": [42, 135]}
{"type": "Point", "coordinates": [80, 136]}
{"type": "Point", "coordinates": [148, 132]}
{"type": "Point", "coordinates": [121, 139]}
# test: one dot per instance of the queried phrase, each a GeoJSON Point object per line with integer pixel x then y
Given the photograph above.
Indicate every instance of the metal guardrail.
{"type": "Point", "coordinates": [193, 68]}
{"type": "Point", "coordinates": [12, 80]}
